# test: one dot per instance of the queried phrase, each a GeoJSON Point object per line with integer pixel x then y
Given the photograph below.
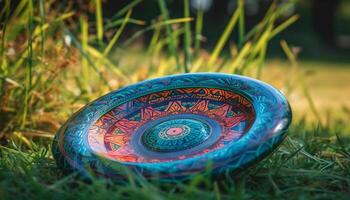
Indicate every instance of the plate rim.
{"type": "Point", "coordinates": [237, 155]}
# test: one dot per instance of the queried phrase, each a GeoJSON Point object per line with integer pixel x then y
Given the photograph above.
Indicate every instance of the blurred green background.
{"type": "Point", "coordinates": [57, 56]}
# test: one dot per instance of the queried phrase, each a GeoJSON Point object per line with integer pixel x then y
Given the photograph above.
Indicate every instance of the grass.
{"type": "Point", "coordinates": [313, 163]}
{"type": "Point", "coordinates": [323, 81]}
{"type": "Point", "coordinates": [56, 60]}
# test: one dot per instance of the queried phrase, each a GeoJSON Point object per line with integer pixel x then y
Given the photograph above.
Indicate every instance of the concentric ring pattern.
{"type": "Point", "coordinates": [172, 126]}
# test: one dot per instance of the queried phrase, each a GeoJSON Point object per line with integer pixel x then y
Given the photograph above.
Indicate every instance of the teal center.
{"type": "Point", "coordinates": [176, 135]}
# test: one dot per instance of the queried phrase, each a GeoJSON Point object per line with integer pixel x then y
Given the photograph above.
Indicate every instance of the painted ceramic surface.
{"type": "Point", "coordinates": [172, 126]}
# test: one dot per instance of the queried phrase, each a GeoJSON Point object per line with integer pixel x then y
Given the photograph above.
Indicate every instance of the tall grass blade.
{"type": "Point", "coordinates": [85, 54]}
{"type": "Point", "coordinates": [289, 53]}
{"type": "Point", "coordinates": [42, 22]}
{"type": "Point", "coordinates": [197, 65]}
{"type": "Point", "coordinates": [120, 21]}
{"type": "Point", "coordinates": [36, 33]}
{"type": "Point", "coordinates": [284, 25]}
{"type": "Point", "coordinates": [154, 39]}
{"type": "Point", "coordinates": [224, 37]}
{"type": "Point", "coordinates": [241, 24]}
{"type": "Point", "coordinates": [4, 16]}
{"type": "Point", "coordinates": [292, 58]}
{"type": "Point", "coordinates": [29, 64]}
{"type": "Point", "coordinates": [125, 9]}
{"type": "Point", "coordinates": [240, 57]}
{"type": "Point", "coordinates": [116, 21]}
{"type": "Point", "coordinates": [256, 30]}
{"type": "Point", "coordinates": [5, 13]}
{"type": "Point", "coordinates": [154, 26]}
{"type": "Point", "coordinates": [99, 21]}
{"type": "Point", "coordinates": [95, 53]}
{"type": "Point", "coordinates": [5, 9]}
{"type": "Point", "coordinates": [172, 45]}
{"type": "Point", "coordinates": [187, 38]}
{"type": "Point", "coordinates": [116, 36]}
{"type": "Point", "coordinates": [261, 60]}
{"type": "Point", "coordinates": [198, 33]}
{"type": "Point", "coordinates": [20, 7]}
{"type": "Point", "coordinates": [259, 48]}
{"type": "Point", "coordinates": [84, 29]}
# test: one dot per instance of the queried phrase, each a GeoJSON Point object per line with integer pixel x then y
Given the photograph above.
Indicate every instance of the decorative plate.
{"type": "Point", "coordinates": [171, 127]}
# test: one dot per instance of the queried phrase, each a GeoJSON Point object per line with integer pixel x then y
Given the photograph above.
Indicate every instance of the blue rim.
{"type": "Point", "coordinates": [272, 119]}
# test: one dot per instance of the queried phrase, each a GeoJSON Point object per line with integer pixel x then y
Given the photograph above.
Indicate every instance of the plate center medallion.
{"type": "Point", "coordinates": [176, 135]}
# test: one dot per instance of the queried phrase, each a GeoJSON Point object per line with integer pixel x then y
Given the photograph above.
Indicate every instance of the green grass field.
{"type": "Point", "coordinates": [312, 163]}
{"type": "Point", "coordinates": [56, 59]}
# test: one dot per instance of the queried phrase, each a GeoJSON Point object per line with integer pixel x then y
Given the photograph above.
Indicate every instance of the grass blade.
{"type": "Point", "coordinates": [187, 38]}
{"type": "Point", "coordinates": [42, 22]}
{"type": "Point", "coordinates": [241, 27]}
{"type": "Point", "coordinates": [261, 60]}
{"type": "Point", "coordinates": [29, 65]}
{"type": "Point", "coordinates": [84, 28]}
{"type": "Point", "coordinates": [198, 34]}
{"type": "Point", "coordinates": [154, 26]}
{"type": "Point", "coordinates": [35, 33]}
{"type": "Point", "coordinates": [120, 21]}
{"type": "Point", "coordinates": [20, 8]}
{"type": "Point", "coordinates": [259, 27]}
{"type": "Point", "coordinates": [292, 58]}
{"type": "Point", "coordinates": [5, 11]}
{"type": "Point", "coordinates": [239, 59]}
{"type": "Point", "coordinates": [224, 37]}
{"type": "Point", "coordinates": [116, 36]}
{"type": "Point", "coordinates": [94, 52]}
{"type": "Point", "coordinates": [84, 53]}
{"type": "Point", "coordinates": [154, 39]}
{"type": "Point", "coordinates": [284, 25]}
{"type": "Point", "coordinates": [259, 48]}
{"type": "Point", "coordinates": [172, 45]}
{"type": "Point", "coordinates": [124, 10]}
{"type": "Point", "coordinates": [99, 21]}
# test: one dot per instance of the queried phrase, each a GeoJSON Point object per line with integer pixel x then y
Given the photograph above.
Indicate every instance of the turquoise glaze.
{"type": "Point", "coordinates": [174, 144]}
{"type": "Point", "coordinates": [176, 134]}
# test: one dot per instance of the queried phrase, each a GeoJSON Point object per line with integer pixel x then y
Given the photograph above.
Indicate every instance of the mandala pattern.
{"type": "Point", "coordinates": [175, 135]}
{"type": "Point", "coordinates": [222, 113]}
{"type": "Point", "coordinates": [172, 126]}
